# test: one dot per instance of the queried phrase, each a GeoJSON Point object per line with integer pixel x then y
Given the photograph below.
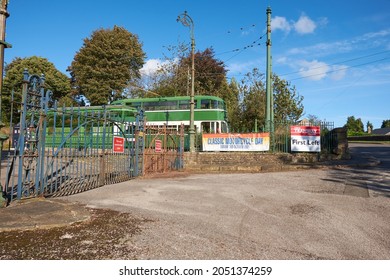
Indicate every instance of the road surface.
{"type": "Point", "coordinates": [333, 213]}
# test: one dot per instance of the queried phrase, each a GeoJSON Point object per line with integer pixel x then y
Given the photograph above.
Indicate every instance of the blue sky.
{"type": "Point", "coordinates": [336, 53]}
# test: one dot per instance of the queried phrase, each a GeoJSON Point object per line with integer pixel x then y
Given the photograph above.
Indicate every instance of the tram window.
{"type": "Point", "coordinates": [149, 106]}
{"type": "Point", "coordinates": [184, 104]}
{"type": "Point", "coordinates": [218, 128]}
{"type": "Point", "coordinates": [167, 105]}
{"type": "Point", "coordinates": [134, 104]}
{"type": "Point", "coordinates": [205, 104]}
{"type": "Point", "coordinates": [206, 127]}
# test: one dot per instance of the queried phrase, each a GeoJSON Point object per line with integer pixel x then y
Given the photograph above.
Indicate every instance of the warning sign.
{"type": "Point", "coordinates": [118, 144]}
{"type": "Point", "coordinates": [157, 147]}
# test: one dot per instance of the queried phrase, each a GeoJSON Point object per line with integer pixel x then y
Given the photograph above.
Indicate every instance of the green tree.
{"type": "Point", "coordinates": [55, 80]}
{"type": "Point", "coordinates": [170, 79]}
{"type": "Point", "coordinates": [385, 123]}
{"type": "Point", "coordinates": [370, 127]}
{"type": "Point", "coordinates": [230, 93]}
{"type": "Point", "coordinates": [252, 100]}
{"type": "Point", "coordinates": [106, 63]}
{"type": "Point", "coordinates": [288, 104]}
{"type": "Point", "coordinates": [354, 126]}
{"type": "Point", "coordinates": [175, 74]}
{"type": "Point", "coordinates": [313, 119]}
{"type": "Point", "coordinates": [210, 73]}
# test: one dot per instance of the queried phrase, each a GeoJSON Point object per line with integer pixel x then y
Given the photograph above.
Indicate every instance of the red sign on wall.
{"type": "Point", "coordinates": [157, 147]}
{"type": "Point", "coordinates": [118, 144]}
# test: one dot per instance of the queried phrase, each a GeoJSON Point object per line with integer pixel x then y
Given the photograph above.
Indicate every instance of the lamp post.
{"type": "Point", "coordinates": [3, 16]}
{"type": "Point", "coordinates": [186, 20]}
{"type": "Point", "coordinates": [269, 115]}
{"type": "Point", "coordinates": [3, 137]}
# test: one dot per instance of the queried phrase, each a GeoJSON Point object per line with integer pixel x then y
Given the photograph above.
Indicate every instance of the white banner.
{"type": "Point", "coordinates": [235, 142]}
{"type": "Point", "coordinates": [306, 139]}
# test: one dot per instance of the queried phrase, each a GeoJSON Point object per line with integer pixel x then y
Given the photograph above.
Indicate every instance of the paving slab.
{"type": "Point", "coordinates": [41, 213]}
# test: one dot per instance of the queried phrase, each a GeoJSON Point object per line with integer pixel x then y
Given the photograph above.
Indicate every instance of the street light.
{"type": "Point", "coordinates": [3, 137]}
{"type": "Point", "coordinates": [3, 16]}
{"type": "Point", "coordinates": [186, 20]}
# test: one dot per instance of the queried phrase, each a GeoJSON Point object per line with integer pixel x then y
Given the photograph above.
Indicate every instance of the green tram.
{"type": "Point", "coordinates": [210, 114]}
{"type": "Point", "coordinates": [85, 126]}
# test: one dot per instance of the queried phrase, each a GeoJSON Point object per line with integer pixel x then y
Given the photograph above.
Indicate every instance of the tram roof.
{"type": "Point", "coordinates": [168, 98]}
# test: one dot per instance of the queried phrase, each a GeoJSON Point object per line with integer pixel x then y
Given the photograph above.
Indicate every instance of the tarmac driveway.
{"type": "Point", "coordinates": [286, 215]}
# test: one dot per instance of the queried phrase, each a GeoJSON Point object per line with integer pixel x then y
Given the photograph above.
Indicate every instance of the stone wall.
{"type": "Point", "coordinates": [341, 149]}
{"type": "Point", "coordinates": [264, 161]}
{"type": "Point", "coordinates": [246, 162]}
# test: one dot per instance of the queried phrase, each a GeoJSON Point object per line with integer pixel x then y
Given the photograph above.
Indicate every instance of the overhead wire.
{"type": "Point", "coordinates": [240, 50]}
{"type": "Point", "coordinates": [340, 69]}
{"type": "Point", "coordinates": [337, 63]}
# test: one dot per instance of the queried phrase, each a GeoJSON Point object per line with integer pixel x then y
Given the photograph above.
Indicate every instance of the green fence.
{"type": "Point", "coordinates": [280, 138]}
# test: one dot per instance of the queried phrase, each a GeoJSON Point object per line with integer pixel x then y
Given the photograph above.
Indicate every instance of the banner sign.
{"type": "Point", "coordinates": [118, 144]}
{"type": "Point", "coordinates": [237, 142]}
{"type": "Point", "coordinates": [305, 139]}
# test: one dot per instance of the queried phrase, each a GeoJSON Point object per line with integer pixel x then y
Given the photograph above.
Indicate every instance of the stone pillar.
{"type": "Point", "coordinates": [341, 148]}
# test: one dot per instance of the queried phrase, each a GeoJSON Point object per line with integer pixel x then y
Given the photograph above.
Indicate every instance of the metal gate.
{"type": "Point", "coordinates": [164, 149]}
{"type": "Point", "coordinates": [63, 151]}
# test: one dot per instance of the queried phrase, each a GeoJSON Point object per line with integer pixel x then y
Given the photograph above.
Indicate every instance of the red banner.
{"type": "Point", "coordinates": [305, 130]}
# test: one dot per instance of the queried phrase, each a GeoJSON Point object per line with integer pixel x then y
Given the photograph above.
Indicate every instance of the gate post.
{"type": "Point", "coordinates": [102, 174]}
{"type": "Point", "coordinates": [31, 147]}
{"type": "Point", "coordinates": [3, 195]}
{"type": "Point", "coordinates": [139, 144]}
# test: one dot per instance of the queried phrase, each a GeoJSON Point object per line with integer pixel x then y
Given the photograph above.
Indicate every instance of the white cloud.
{"type": "Point", "coordinates": [323, 48]}
{"type": "Point", "coordinates": [245, 67]}
{"type": "Point", "coordinates": [362, 42]}
{"type": "Point", "coordinates": [280, 23]}
{"type": "Point", "coordinates": [151, 66]}
{"type": "Point", "coordinates": [304, 25]}
{"type": "Point", "coordinates": [281, 60]}
{"type": "Point", "coordinates": [313, 70]}
{"type": "Point", "coordinates": [317, 70]}
{"type": "Point", "coordinates": [338, 72]}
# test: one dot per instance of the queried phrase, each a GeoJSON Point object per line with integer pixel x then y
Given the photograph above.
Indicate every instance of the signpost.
{"type": "Point", "coordinates": [305, 139]}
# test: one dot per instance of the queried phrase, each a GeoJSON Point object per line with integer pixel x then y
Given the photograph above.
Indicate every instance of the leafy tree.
{"type": "Point", "coordinates": [55, 81]}
{"type": "Point", "coordinates": [354, 126]}
{"type": "Point", "coordinates": [369, 127]}
{"type": "Point", "coordinates": [313, 119]}
{"type": "Point", "coordinates": [288, 104]}
{"type": "Point", "coordinates": [175, 74]}
{"type": "Point", "coordinates": [252, 100]}
{"type": "Point", "coordinates": [107, 62]}
{"type": "Point", "coordinates": [170, 79]}
{"type": "Point", "coordinates": [230, 93]}
{"type": "Point", "coordinates": [385, 123]}
{"type": "Point", "coordinates": [210, 73]}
